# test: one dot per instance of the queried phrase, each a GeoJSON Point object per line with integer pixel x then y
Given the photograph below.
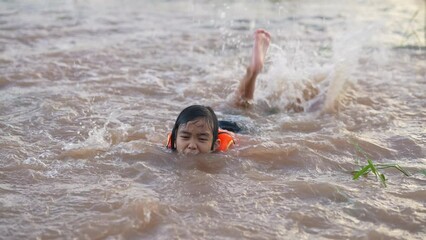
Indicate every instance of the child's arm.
{"type": "Point", "coordinates": [245, 91]}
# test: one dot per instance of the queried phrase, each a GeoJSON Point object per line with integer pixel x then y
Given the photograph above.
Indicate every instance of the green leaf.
{"type": "Point", "coordinates": [382, 179]}
{"type": "Point", "coordinates": [366, 173]}
{"type": "Point", "coordinates": [363, 171]}
{"type": "Point", "coordinates": [384, 166]}
{"type": "Point", "coordinates": [373, 169]}
{"type": "Point", "coordinates": [402, 170]}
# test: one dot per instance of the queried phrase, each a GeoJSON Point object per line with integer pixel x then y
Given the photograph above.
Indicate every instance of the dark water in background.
{"type": "Point", "coordinates": [90, 89]}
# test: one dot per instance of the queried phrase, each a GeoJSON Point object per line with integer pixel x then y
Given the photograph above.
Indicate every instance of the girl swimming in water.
{"type": "Point", "coordinates": [197, 129]}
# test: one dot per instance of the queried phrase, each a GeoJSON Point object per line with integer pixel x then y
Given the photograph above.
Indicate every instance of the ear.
{"type": "Point", "coordinates": [216, 144]}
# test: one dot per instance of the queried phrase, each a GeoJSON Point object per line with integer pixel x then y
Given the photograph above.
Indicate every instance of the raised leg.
{"type": "Point", "coordinates": [246, 88]}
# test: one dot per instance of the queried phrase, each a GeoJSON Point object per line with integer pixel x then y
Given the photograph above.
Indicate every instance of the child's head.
{"type": "Point", "coordinates": [195, 130]}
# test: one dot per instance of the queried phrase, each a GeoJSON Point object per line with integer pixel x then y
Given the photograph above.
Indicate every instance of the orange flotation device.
{"type": "Point", "coordinates": [227, 139]}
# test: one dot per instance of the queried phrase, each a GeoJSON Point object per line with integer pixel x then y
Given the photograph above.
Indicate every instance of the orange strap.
{"type": "Point", "coordinates": [169, 140]}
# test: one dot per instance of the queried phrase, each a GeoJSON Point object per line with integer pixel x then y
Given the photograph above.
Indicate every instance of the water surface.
{"type": "Point", "coordinates": [89, 91]}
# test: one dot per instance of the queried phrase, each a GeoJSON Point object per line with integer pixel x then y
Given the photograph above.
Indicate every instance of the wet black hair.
{"type": "Point", "coordinates": [191, 113]}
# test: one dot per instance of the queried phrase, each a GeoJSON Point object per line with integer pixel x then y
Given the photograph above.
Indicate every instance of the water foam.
{"type": "Point", "coordinates": [298, 79]}
{"type": "Point", "coordinates": [99, 139]}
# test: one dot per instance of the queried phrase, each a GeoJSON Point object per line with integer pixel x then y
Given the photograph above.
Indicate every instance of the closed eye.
{"type": "Point", "coordinates": [184, 137]}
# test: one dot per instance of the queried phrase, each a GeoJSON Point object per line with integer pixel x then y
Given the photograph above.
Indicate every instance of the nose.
{"type": "Point", "coordinates": [192, 145]}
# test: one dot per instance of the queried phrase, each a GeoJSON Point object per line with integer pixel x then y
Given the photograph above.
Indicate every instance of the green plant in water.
{"type": "Point", "coordinates": [374, 168]}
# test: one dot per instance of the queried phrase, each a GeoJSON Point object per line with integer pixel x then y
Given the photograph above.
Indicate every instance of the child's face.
{"type": "Point", "coordinates": [194, 137]}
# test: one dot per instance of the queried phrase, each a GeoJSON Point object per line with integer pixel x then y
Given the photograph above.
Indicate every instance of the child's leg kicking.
{"type": "Point", "coordinates": [245, 90]}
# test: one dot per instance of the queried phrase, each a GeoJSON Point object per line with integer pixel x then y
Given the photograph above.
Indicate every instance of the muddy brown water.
{"type": "Point", "coordinates": [90, 89]}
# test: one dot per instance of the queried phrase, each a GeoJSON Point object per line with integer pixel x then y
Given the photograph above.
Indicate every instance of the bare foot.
{"type": "Point", "coordinates": [262, 40]}
{"type": "Point", "coordinates": [295, 107]}
{"type": "Point", "coordinates": [310, 92]}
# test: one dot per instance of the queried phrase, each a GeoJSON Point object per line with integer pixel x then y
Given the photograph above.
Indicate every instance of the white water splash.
{"type": "Point", "coordinates": [100, 138]}
{"type": "Point", "coordinates": [295, 70]}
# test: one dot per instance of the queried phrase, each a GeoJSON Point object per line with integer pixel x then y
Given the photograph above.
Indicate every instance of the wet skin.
{"type": "Point", "coordinates": [195, 137]}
